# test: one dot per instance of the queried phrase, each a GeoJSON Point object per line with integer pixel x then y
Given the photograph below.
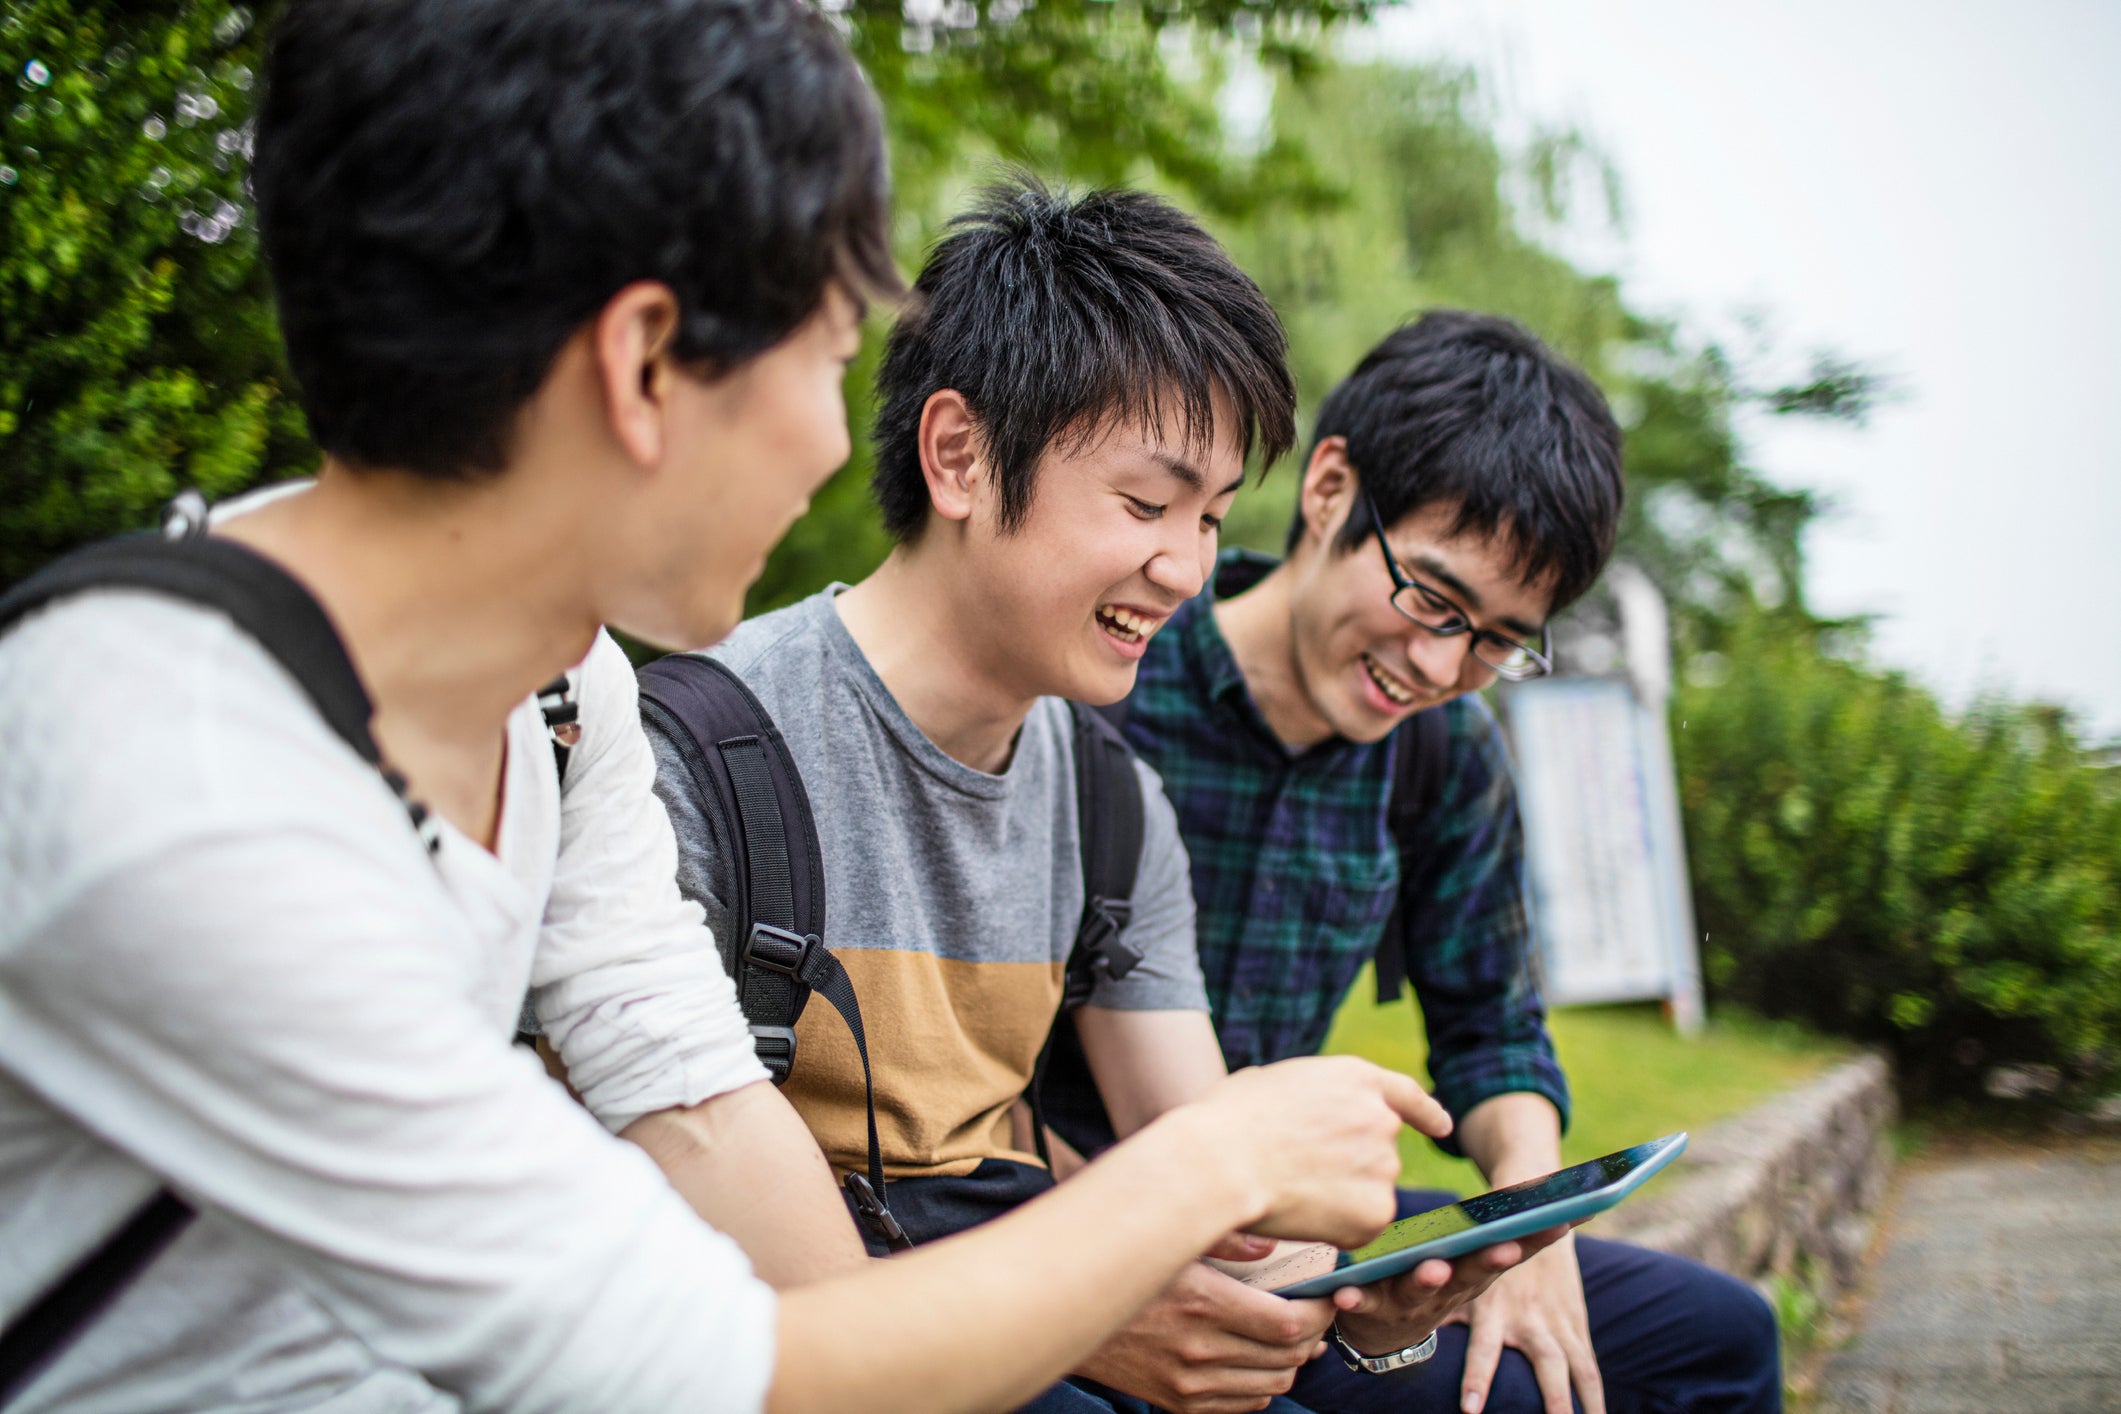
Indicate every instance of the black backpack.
{"type": "Point", "coordinates": [273, 608]}
{"type": "Point", "coordinates": [760, 816]}
{"type": "Point", "coordinates": [1419, 771]}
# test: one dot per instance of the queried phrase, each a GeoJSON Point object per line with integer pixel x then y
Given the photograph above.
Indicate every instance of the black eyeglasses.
{"type": "Point", "coordinates": [1427, 609]}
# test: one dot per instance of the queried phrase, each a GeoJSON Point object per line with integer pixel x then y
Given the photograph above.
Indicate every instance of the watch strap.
{"type": "Point", "coordinates": [1386, 1363]}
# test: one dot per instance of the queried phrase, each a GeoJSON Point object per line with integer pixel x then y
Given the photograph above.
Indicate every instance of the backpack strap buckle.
{"type": "Point", "coordinates": [778, 950]}
{"type": "Point", "coordinates": [775, 1048]}
{"type": "Point", "coordinates": [870, 1204]}
{"type": "Point", "coordinates": [1103, 922]}
{"type": "Point", "coordinates": [1099, 951]}
{"type": "Point", "coordinates": [796, 956]}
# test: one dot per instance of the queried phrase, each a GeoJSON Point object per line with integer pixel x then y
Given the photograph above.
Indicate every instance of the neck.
{"type": "Point", "coordinates": [1260, 627]}
{"type": "Point", "coordinates": [916, 621]}
{"type": "Point", "coordinates": [455, 599]}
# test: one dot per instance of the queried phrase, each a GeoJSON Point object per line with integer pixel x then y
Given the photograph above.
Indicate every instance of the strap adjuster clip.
{"type": "Point", "coordinates": [778, 950]}
{"type": "Point", "coordinates": [870, 1204]}
{"type": "Point", "coordinates": [775, 1048]}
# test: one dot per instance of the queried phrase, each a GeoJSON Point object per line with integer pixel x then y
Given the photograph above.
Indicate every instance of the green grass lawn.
{"type": "Point", "coordinates": [1632, 1077]}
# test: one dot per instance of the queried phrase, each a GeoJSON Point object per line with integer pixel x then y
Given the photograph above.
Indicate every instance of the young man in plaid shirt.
{"type": "Point", "coordinates": [1463, 486]}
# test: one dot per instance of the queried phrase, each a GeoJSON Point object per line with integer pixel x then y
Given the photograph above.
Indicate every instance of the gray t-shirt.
{"type": "Point", "coordinates": [952, 898]}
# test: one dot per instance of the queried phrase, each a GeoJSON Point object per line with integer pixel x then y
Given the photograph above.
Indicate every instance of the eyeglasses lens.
{"type": "Point", "coordinates": [1428, 612]}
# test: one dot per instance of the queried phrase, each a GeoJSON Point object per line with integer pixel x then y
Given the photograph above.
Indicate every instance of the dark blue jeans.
{"type": "Point", "coordinates": [1672, 1337]}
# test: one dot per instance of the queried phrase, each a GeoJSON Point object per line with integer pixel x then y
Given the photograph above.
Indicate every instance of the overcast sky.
{"type": "Point", "coordinates": [1933, 188]}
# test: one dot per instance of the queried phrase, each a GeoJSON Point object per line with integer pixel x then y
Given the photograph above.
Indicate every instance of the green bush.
{"type": "Point", "coordinates": [138, 352]}
{"type": "Point", "coordinates": [1950, 888]}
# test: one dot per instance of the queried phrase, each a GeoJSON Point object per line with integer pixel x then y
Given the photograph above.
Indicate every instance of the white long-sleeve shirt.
{"type": "Point", "coordinates": [228, 965]}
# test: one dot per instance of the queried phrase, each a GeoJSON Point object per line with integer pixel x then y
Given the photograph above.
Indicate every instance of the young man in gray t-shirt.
{"type": "Point", "coordinates": [1066, 411]}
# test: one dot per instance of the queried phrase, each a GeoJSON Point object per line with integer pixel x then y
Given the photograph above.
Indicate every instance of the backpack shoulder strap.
{"type": "Point", "coordinates": [1110, 828]}
{"type": "Point", "coordinates": [54, 1320]}
{"type": "Point", "coordinates": [1420, 766]}
{"type": "Point", "coordinates": [273, 608]}
{"type": "Point", "coordinates": [1108, 801]}
{"type": "Point", "coordinates": [746, 781]}
{"type": "Point", "coordinates": [258, 596]}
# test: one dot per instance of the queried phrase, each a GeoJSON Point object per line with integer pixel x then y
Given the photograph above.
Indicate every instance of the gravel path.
{"type": "Point", "coordinates": [1998, 1291]}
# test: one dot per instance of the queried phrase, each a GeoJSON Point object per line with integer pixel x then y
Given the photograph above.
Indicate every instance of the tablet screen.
{"type": "Point", "coordinates": [1503, 1203]}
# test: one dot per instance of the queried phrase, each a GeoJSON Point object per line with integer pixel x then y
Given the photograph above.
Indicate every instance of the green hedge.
{"type": "Point", "coordinates": [1949, 887]}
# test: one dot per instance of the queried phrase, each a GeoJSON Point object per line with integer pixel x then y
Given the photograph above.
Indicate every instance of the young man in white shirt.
{"type": "Point", "coordinates": [569, 287]}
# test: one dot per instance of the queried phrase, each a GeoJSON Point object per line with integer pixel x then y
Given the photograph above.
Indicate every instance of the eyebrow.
{"type": "Point", "coordinates": [1190, 474]}
{"type": "Point", "coordinates": [1181, 468]}
{"type": "Point", "coordinates": [1435, 569]}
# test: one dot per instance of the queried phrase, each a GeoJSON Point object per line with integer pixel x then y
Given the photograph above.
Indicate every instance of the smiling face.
{"type": "Point", "coordinates": [1361, 665]}
{"type": "Point", "coordinates": [1120, 532]}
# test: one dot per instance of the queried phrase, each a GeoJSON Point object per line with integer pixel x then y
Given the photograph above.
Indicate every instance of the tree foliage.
{"type": "Point", "coordinates": [139, 352]}
{"type": "Point", "coordinates": [1948, 888]}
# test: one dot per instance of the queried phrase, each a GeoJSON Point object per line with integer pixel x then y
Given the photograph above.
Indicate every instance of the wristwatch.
{"type": "Point", "coordinates": [1382, 1364]}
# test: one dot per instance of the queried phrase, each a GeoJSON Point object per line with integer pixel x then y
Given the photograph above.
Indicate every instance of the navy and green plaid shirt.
{"type": "Point", "coordinates": [1295, 870]}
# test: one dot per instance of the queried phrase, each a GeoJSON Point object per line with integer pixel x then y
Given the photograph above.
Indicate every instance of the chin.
{"type": "Point", "coordinates": [1095, 685]}
{"type": "Point", "coordinates": [679, 631]}
{"type": "Point", "coordinates": [713, 629]}
{"type": "Point", "coordinates": [1364, 727]}
{"type": "Point", "coordinates": [1358, 720]}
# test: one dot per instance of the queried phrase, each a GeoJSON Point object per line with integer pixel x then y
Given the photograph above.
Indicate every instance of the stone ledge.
{"type": "Point", "coordinates": [1800, 1176]}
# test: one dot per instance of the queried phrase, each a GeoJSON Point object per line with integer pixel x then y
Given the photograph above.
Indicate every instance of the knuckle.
{"type": "Point", "coordinates": [1192, 1384]}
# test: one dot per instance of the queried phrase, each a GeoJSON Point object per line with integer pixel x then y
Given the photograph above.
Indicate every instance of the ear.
{"type": "Point", "coordinates": [632, 341]}
{"type": "Point", "coordinates": [952, 459]}
{"type": "Point", "coordinates": [1327, 496]}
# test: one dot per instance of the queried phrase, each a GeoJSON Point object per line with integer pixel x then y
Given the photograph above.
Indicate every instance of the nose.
{"type": "Point", "coordinates": [1182, 563]}
{"type": "Point", "coordinates": [1443, 662]}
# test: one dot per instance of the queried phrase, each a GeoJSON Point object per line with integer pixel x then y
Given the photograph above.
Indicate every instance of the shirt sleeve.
{"type": "Point", "coordinates": [627, 983]}
{"type": "Point", "coordinates": [1160, 926]}
{"type": "Point", "coordinates": [1469, 942]}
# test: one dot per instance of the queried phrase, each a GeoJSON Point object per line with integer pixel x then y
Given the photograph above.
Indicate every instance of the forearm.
{"type": "Point", "coordinates": [746, 1164]}
{"type": "Point", "coordinates": [1512, 1136]}
{"type": "Point", "coordinates": [1148, 1062]}
{"type": "Point", "coordinates": [986, 1319]}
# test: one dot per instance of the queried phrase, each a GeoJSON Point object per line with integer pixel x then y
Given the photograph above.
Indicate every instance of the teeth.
{"type": "Point", "coordinates": [1127, 627]}
{"type": "Point", "coordinates": [1386, 682]}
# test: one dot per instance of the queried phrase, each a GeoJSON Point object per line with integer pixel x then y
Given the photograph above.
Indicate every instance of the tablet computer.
{"type": "Point", "coordinates": [1565, 1196]}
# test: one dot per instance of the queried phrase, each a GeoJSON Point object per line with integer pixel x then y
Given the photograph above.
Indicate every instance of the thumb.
{"type": "Point", "coordinates": [1241, 1247]}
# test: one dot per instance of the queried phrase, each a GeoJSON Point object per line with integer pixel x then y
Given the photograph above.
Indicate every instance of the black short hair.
{"type": "Point", "coordinates": [1059, 317]}
{"type": "Point", "coordinates": [1473, 409]}
{"type": "Point", "coordinates": [448, 189]}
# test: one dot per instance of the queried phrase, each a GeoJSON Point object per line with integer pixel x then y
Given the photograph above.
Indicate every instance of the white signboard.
{"type": "Point", "coordinates": [1608, 868]}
